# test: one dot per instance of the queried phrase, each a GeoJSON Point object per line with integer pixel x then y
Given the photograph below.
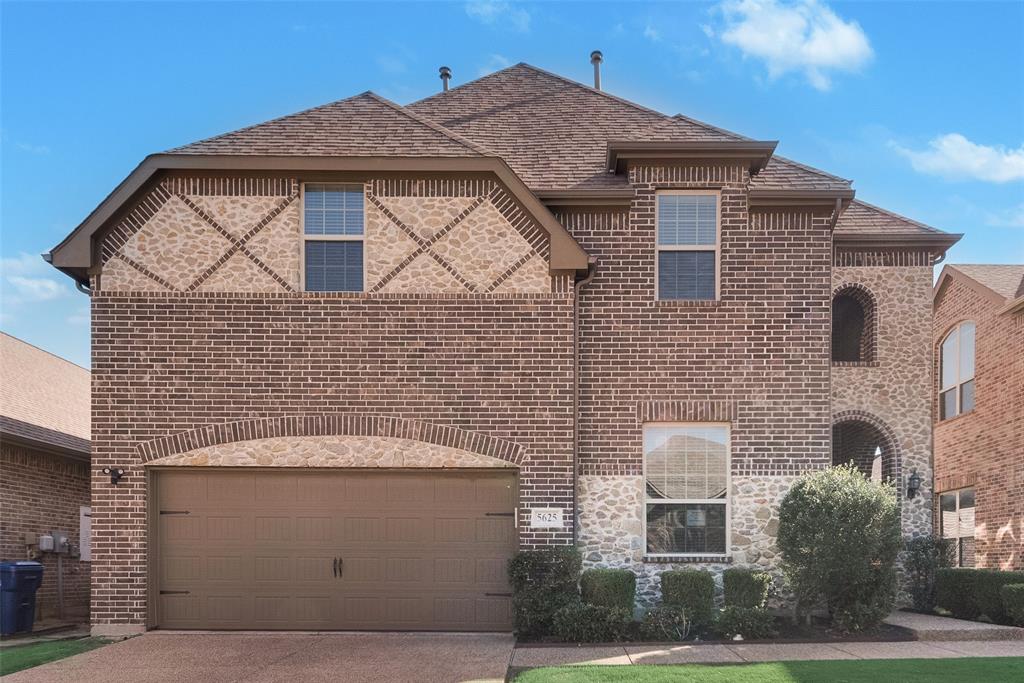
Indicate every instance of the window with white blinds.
{"type": "Point", "coordinates": [688, 241]}
{"type": "Point", "coordinates": [956, 372]}
{"type": "Point", "coordinates": [333, 233]}
{"type": "Point", "coordinates": [956, 522]}
{"type": "Point", "coordinates": [686, 475]}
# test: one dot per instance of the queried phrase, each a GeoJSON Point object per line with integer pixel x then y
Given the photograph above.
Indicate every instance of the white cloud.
{"type": "Point", "coordinates": [651, 34]}
{"type": "Point", "coordinates": [495, 12]}
{"type": "Point", "coordinates": [32, 149]}
{"type": "Point", "coordinates": [803, 36]}
{"type": "Point", "coordinates": [495, 62]}
{"type": "Point", "coordinates": [954, 156]}
{"type": "Point", "coordinates": [27, 279]}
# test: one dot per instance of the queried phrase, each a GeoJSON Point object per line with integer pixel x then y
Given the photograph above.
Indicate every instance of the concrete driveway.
{"type": "Point", "coordinates": [264, 657]}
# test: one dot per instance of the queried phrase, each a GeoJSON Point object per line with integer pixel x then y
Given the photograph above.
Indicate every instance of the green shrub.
{"type": "Point", "coordinates": [750, 623]}
{"type": "Point", "coordinates": [665, 622]}
{"type": "Point", "coordinates": [580, 622]}
{"type": "Point", "coordinates": [609, 588]}
{"type": "Point", "coordinates": [956, 591]}
{"type": "Point", "coordinates": [543, 581]}
{"type": "Point", "coordinates": [839, 535]}
{"type": "Point", "coordinates": [746, 587]}
{"type": "Point", "coordinates": [988, 587]}
{"type": "Point", "coordinates": [694, 591]}
{"type": "Point", "coordinates": [925, 556]}
{"type": "Point", "coordinates": [1013, 602]}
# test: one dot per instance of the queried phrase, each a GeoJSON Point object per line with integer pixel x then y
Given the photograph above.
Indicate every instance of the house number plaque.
{"type": "Point", "coordinates": [546, 518]}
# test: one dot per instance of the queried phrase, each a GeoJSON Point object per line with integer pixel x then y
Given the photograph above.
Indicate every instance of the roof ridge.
{"type": "Point", "coordinates": [698, 122]}
{"type": "Point", "coordinates": [263, 123]}
{"type": "Point", "coordinates": [433, 125]}
{"type": "Point", "coordinates": [898, 216]}
{"type": "Point", "coordinates": [42, 350]}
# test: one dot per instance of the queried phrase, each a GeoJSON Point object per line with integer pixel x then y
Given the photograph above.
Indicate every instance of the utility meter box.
{"type": "Point", "coordinates": [46, 543]}
{"type": "Point", "coordinates": [61, 544]}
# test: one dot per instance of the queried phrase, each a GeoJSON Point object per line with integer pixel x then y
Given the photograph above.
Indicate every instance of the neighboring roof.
{"type": "Point", "coordinates": [366, 125]}
{"type": "Point", "coordinates": [43, 398]}
{"type": "Point", "coordinates": [1006, 280]}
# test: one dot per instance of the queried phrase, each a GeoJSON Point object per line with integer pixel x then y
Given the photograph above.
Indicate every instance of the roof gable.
{"type": "Point", "coordinates": [1005, 280]}
{"type": "Point", "coordinates": [366, 125]}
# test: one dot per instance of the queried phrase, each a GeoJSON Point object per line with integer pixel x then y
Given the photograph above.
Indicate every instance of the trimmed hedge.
{"type": "Point", "coordinates": [543, 581]}
{"type": "Point", "coordinates": [749, 623]}
{"type": "Point", "coordinates": [693, 590]}
{"type": "Point", "coordinates": [990, 600]}
{"type": "Point", "coordinates": [955, 590]}
{"type": "Point", "coordinates": [583, 623]}
{"type": "Point", "coordinates": [609, 588]}
{"type": "Point", "coordinates": [746, 587]}
{"type": "Point", "coordinates": [665, 622]}
{"type": "Point", "coordinates": [1013, 602]}
{"type": "Point", "coordinates": [925, 556]}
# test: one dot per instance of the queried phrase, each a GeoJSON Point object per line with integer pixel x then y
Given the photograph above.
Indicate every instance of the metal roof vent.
{"type": "Point", "coordinates": [595, 58]}
{"type": "Point", "coordinates": [446, 75]}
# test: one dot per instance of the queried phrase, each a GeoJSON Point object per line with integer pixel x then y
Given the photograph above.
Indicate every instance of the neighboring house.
{"type": "Point", "coordinates": [44, 470]}
{"type": "Point", "coordinates": [979, 413]}
{"type": "Point", "coordinates": [352, 358]}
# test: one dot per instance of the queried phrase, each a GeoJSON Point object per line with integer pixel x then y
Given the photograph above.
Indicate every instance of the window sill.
{"type": "Point", "coordinates": [688, 303]}
{"type": "Point", "coordinates": [954, 418]}
{"type": "Point", "coordinates": [855, 363]}
{"type": "Point", "coordinates": [687, 559]}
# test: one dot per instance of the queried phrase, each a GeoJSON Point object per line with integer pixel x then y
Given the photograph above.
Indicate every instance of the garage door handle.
{"type": "Point", "coordinates": [499, 514]}
{"type": "Point", "coordinates": [341, 567]}
{"type": "Point", "coordinates": [497, 595]}
{"type": "Point", "coordinates": [335, 567]}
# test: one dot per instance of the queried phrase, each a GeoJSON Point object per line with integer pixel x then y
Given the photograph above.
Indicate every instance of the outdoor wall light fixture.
{"type": "Point", "coordinates": [913, 484]}
{"type": "Point", "coordinates": [115, 474]}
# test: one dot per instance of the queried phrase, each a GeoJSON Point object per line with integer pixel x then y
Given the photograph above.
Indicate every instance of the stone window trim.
{"type": "Point", "coordinates": [961, 379]}
{"type": "Point", "coordinates": [331, 425]}
{"type": "Point", "coordinates": [716, 248]}
{"type": "Point", "coordinates": [727, 501]}
{"type": "Point", "coordinates": [869, 335]}
{"type": "Point", "coordinates": [306, 238]}
{"type": "Point", "coordinates": [891, 442]}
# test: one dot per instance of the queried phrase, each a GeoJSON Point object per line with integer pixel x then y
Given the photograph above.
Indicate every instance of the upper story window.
{"type": "Point", "coordinates": [686, 475]}
{"type": "Point", "coordinates": [333, 237]}
{"type": "Point", "coordinates": [956, 371]}
{"type": "Point", "coordinates": [688, 245]}
{"type": "Point", "coordinates": [853, 325]}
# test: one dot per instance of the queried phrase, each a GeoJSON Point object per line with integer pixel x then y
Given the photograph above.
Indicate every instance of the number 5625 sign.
{"type": "Point", "coordinates": [546, 518]}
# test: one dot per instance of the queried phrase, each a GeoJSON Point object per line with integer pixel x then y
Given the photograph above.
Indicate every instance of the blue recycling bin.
{"type": "Point", "coordinates": [19, 582]}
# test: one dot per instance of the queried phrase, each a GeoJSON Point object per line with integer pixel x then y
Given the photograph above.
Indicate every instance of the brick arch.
{"type": "Point", "coordinates": [330, 425]}
{"type": "Point", "coordinates": [869, 305]}
{"type": "Point", "coordinates": [890, 444]}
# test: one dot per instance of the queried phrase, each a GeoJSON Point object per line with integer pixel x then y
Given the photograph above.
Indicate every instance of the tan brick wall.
{"type": "Point", "coordinates": [985, 447]}
{"type": "Point", "coordinates": [40, 493]}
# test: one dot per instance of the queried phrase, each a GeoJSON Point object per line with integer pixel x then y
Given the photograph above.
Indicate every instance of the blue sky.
{"type": "Point", "coordinates": [921, 104]}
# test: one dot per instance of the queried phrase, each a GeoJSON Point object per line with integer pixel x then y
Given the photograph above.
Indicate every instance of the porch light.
{"type": "Point", "coordinates": [913, 484]}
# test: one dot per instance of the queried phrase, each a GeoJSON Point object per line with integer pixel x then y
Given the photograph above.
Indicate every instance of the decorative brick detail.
{"type": "Point", "coordinates": [330, 425]}
{"type": "Point", "coordinates": [686, 411]}
{"type": "Point", "coordinates": [883, 258]}
{"type": "Point", "coordinates": [891, 454]}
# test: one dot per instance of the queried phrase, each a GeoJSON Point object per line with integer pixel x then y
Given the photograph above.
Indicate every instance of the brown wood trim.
{"type": "Point", "coordinates": [823, 198]}
{"type": "Point", "coordinates": [756, 153]}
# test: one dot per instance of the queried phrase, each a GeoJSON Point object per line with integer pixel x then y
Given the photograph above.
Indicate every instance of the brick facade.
{"type": "Point", "coordinates": [984, 448]}
{"type": "Point", "coordinates": [42, 492]}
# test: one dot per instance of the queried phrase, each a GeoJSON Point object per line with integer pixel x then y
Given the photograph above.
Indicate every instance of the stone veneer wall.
{"type": "Point", "coordinates": [895, 388]}
{"type": "Point", "coordinates": [330, 451]}
{"type": "Point", "coordinates": [611, 512]}
{"type": "Point", "coordinates": [244, 235]}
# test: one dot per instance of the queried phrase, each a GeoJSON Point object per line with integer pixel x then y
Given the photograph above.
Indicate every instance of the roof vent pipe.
{"type": "Point", "coordinates": [596, 58]}
{"type": "Point", "coordinates": [446, 75]}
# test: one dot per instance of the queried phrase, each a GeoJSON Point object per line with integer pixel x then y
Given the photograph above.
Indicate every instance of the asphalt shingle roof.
{"type": "Point", "coordinates": [42, 396]}
{"type": "Point", "coordinates": [1006, 280]}
{"type": "Point", "coordinates": [863, 218]}
{"type": "Point", "coordinates": [364, 125]}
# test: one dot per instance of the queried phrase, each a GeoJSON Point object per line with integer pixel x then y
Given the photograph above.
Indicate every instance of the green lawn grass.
{"type": "Point", "coordinates": [857, 671]}
{"type": "Point", "coordinates": [21, 657]}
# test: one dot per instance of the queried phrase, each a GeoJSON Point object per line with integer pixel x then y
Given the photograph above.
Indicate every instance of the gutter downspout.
{"type": "Point", "coordinates": [577, 286]}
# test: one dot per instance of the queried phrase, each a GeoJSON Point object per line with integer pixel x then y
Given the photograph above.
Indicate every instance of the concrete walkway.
{"type": "Point", "coordinates": [530, 657]}
{"type": "Point", "coordinates": [269, 658]}
{"type": "Point", "coordinates": [932, 627]}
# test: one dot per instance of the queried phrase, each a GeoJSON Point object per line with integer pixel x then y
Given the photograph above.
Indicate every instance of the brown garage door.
{"type": "Point", "coordinates": [299, 549]}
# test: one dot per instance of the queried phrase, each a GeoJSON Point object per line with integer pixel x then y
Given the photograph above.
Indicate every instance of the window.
{"type": "Point", "coordinates": [853, 325]}
{"type": "Point", "coordinates": [956, 522]}
{"type": "Point", "coordinates": [956, 372]}
{"type": "Point", "coordinates": [686, 474]}
{"type": "Point", "coordinates": [333, 238]}
{"type": "Point", "coordinates": [688, 243]}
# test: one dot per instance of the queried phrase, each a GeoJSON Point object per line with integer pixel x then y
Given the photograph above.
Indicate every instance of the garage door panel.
{"type": "Point", "coordinates": [419, 551]}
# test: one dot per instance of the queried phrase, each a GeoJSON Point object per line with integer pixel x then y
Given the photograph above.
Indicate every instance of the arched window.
{"type": "Point", "coordinates": [956, 371]}
{"type": "Point", "coordinates": [853, 325]}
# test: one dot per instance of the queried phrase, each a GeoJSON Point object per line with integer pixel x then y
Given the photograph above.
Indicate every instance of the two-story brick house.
{"type": "Point", "coordinates": [352, 358]}
{"type": "Point", "coordinates": [979, 413]}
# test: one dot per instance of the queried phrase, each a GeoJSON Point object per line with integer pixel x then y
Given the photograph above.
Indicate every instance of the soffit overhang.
{"type": "Point", "coordinates": [754, 154]}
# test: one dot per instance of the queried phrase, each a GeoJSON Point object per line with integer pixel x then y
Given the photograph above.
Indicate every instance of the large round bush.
{"type": "Point", "coordinates": [839, 535]}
